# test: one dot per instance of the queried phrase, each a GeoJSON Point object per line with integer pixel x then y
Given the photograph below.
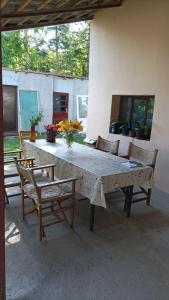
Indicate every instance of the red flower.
{"type": "Point", "coordinates": [51, 127]}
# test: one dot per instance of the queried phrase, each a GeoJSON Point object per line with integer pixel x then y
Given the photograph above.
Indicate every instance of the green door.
{"type": "Point", "coordinates": [28, 107]}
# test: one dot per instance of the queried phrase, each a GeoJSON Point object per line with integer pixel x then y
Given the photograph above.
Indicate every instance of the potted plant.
{"type": "Point", "coordinates": [34, 121]}
{"type": "Point", "coordinates": [124, 129]}
{"type": "Point", "coordinates": [132, 132]}
{"type": "Point", "coordinates": [140, 130]}
{"type": "Point", "coordinates": [51, 132]}
{"type": "Point", "coordinates": [147, 132]}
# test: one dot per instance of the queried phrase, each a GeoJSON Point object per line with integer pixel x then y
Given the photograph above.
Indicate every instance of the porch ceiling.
{"type": "Point", "coordinates": [17, 14]}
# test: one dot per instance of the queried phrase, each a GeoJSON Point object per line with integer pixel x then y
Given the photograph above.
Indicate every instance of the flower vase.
{"type": "Point", "coordinates": [33, 134]}
{"type": "Point", "coordinates": [50, 136]}
{"type": "Point", "coordinates": [69, 139]}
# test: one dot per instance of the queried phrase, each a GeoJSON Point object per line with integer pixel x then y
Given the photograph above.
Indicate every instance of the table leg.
{"type": "Point", "coordinates": [129, 192]}
{"type": "Point", "coordinates": [92, 215]}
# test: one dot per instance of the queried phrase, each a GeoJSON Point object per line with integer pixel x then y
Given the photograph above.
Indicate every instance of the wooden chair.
{"type": "Point", "coordinates": [107, 146]}
{"type": "Point", "coordinates": [11, 176]}
{"type": "Point", "coordinates": [25, 135]}
{"type": "Point", "coordinates": [48, 197]}
{"type": "Point", "coordinates": [146, 158]}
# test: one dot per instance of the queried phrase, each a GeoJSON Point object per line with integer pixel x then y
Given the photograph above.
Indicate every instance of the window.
{"type": "Point", "coordinates": [60, 106]}
{"type": "Point", "coordinates": [60, 103]}
{"type": "Point", "coordinates": [132, 115]}
{"type": "Point", "coordinates": [82, 108]}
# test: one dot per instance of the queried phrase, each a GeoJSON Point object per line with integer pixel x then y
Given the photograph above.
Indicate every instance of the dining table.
{"type": "Point", "coordinates": [97, 172]}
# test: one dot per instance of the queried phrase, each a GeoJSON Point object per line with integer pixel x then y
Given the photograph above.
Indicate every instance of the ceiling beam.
{"type": "Point", "coordinates": [59, 4]}
{"type": "Point", "coordinates": [20, 8]}
{"type": "Point", "coordinates": [77, 3]}
{"type": "Point", "coordinates": [3, 3]}
{"type": "Point", "coordinates": [57, 11]}
{"type": "Point", "coordinates": [40, 7]}
{"type": "Point", "coordinates": [43, 24]}
{"type": "Point", "coordinates": [83, 13]}
{"type": "Point", "coordinates": [23, 5]}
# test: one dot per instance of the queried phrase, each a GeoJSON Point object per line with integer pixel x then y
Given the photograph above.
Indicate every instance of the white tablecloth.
{"type": "Point", "coordinates": [97, 172]}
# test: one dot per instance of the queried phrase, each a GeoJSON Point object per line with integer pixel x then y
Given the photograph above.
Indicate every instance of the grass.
{"type": "Point", "coordinates": [12, 143]}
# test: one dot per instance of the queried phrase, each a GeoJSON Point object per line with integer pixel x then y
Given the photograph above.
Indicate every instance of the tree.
{"type": "Point", "coordinates": [59, 49]}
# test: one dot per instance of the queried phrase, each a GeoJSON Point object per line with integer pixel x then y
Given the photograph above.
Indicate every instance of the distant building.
{"type": "Point", "coordinates": [25, 93]}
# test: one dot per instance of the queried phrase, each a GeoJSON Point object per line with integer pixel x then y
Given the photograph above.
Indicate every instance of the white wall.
{"type": "Point", "coordinates": [46, 85]}
{"type": "Point", "coordinates": [129, 54]}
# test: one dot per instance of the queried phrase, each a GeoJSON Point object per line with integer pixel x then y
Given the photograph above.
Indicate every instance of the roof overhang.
{"type": "Point", "coordinates": [22, 14]}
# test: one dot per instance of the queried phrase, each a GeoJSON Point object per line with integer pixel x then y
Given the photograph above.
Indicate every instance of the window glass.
{"type": "Point", "coordinates": [138, 111]}
{"type": "Point", "coordinates": [131, 112]}
{"type": "Point", "coordinates": [82, 106]}
{"type": "Point", "coordinates": [60, 103]}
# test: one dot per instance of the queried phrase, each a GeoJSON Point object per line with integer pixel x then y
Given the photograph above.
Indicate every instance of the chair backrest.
{"type": "Point", "coordinates": [24, 135]}
{"type": "Point", "coordinates": [107, 146]}
{"type": "Point", "coordinates": [147, 157]}
{"type": "Point", "coordinates": [9, 156]}
{"type": "Point", "coordinates": [24, 170]}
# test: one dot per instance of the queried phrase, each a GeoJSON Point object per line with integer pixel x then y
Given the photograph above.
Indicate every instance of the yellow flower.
{"type": "Point", "coordinates": [70, 126]}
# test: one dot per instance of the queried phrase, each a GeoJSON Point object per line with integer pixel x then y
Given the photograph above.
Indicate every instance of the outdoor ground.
{"type": "Point", "coordinates": [123, 259]}
{"type": "Point", "coordinates": [12, 143]}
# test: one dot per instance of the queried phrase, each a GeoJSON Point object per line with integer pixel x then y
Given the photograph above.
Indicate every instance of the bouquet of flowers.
{"type": "Point", "coordinates": [51, 131]}
{"type": "Point", "coordinates": [68, 128]}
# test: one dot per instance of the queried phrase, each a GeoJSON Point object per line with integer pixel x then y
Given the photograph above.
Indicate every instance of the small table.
{"type": "Point", "coordinates": [98, 172]}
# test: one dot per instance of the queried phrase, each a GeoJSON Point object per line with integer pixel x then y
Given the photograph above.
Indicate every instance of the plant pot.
{"type": "Point", "coordinates": [140, 133]}
{"type": "Point", "coordinates": [132, 133]}
{"type": "Point", "coordinates": [32, 134]}
{"type": "Point", "coordinates": [125, 131]}
{"type": "Point", "coordinates": [50, 137]}
{"type": "Point", "coordinates": [115, 127]}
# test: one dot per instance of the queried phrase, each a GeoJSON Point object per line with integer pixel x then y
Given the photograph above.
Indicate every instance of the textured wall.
{"type": "Point", "coordinates": [46, 85]}
{"type": "Point", "coordinates": [129, 54]}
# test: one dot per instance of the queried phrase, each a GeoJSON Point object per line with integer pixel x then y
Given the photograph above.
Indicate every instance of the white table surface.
{"type": "Point", "coordinates": [98, 172]}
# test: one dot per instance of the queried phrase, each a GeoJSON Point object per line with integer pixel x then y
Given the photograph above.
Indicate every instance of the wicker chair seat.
{"type": "Point", "coordinates": [47, 193]}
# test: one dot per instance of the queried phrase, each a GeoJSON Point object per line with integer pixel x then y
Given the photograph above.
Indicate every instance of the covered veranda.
{"type": "Point", "coordinates": [31, 14]}
{"type": "Point", "coordinates": [122, 259]}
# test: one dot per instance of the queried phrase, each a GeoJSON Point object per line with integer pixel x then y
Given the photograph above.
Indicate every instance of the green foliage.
{"type": "Point", "coordinates": [36, 119]}
{"type": "Point", "coordinates": [57, 49]}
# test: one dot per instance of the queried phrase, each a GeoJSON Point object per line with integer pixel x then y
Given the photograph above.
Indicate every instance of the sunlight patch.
{"type": "Point", "coordinates": [12, 235]}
